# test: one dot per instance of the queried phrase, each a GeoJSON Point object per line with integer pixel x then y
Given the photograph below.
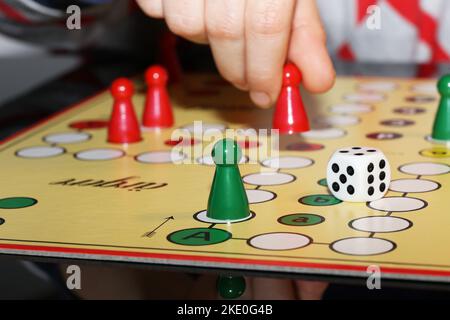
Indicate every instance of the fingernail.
{"type": "Point", "coordinates": [260, 98]}
{"type": "Point", "coordinates": [242, 87]}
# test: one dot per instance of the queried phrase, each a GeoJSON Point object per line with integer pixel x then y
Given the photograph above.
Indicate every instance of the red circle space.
{"type": "Point", "coordinates": [89, 124]}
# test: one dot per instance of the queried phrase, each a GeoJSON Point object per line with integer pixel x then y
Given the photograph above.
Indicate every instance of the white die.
{"type": "Point", "coordinates": [358, 174]}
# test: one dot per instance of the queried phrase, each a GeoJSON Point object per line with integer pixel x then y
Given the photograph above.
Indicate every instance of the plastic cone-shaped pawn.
{"type": "Point", "coordinates": [441, 127]}
{"type": "Point", "coordinates": [169, 57]}
{"type": "Point", "coordinates": [290, 115]}
{"type": "Point", "coordinates": [158, 109]}
{"type": "Point", "coordinates": [227, 199]}
{"type": "Point", "coordinates": [123, 126]}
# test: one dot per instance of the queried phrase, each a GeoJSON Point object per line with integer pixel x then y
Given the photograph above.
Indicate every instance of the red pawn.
{"type": "Point", "coordinates": [123, 126]}
{"type": "Point", "coordinates": [158, 110]}
{"type": "Point", "coordinates": [169, 57]}
{"type": "Point", "coordinates": [290, 115]}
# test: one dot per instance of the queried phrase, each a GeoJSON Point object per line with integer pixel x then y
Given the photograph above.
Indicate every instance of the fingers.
{"type": "Point", "coordinates": [153, 8]}
{"type": "Point", "coordinates": [203, 288]}
{"type": "Point", "coordinates": [186, 18]}
{"type": "Point", "coordinates": [267, 30]}
{"type": "Point", "coordinates": [310, 290]}
{"type": "Point", "coordinates": [308, 48]}
{"type": "Point", "coordinates": [251, 40]}
{"type": "Point", "coordinates": [225, 30]}
{"type": "Point", "coordinates": [273, 289]}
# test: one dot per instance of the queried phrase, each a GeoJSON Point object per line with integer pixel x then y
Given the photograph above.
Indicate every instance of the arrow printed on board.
{"type": "Point", "coordinates": [152, 232]}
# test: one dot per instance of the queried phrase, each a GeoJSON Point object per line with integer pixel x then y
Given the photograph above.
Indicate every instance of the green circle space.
{"type": "Point", "coordinates": [17, 202]}
{"type": "Point", "coordinates": [301, 219]}
{"type": "Point", "coordinates": [319, 200]}
{"type": "Point", "coordinates": [323, 182]}
{"type": "Point", "coordinates": [199, 236]}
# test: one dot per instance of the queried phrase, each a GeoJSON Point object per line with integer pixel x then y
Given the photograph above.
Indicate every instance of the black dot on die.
{"type": "Point", "coordinates": [359, 154]}
{"type": "Point", "coordinates": [382, 164]}
{"type": "Point", "coordinates": [370, 179]}
{"type": "Point", "coordinates": [343, 178]}
{"type": "Point", "coordinates": [335, 168]}
{"type": "Point", "coordinates": [371, 150]}
{"type": "Point", "coordinates": [382, 175]}
{"type": "Point", "coordinates": [356, 148]}
{"type": "Point", "coordinates": [382, 187]}
{"type": "Point", "coordinates": [335, 186]}
{"type": "Point", "coordinates": [350, 170]}
{"type": "Point", "coordinates": [370, 167]}
{"type": "Point", "coordinates": [350, 189]}
{"type": "Point", "coordinates": [343, 151]}
{"type": "Point", "coordinates": [370, 191]}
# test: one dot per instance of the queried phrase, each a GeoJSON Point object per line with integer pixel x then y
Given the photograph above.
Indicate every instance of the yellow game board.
{"type": "Point", "coordinates": [68, 193]}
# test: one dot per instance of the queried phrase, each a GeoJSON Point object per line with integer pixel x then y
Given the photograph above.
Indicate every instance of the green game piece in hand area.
{"type": "Point", "coordinates": [227, 199]}
{"type": "Point", "coordinates": [441, 127]}
{"type": "Point", "coordinates": [230, 287]}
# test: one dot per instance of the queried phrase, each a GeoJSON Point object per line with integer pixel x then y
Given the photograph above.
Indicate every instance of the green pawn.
{"type": "Point", "coordinates": [231, 287]}
{"type": "Point", "coordinates": [227, 199]}
{"type": "Point", "coordinates": [441, 127]}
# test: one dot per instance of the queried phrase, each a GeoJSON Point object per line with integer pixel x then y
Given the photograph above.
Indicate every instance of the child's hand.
{"type": "Point", "coordinates": [251, 40]}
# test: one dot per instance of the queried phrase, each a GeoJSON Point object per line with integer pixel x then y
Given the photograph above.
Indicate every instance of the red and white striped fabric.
{"type": "Point", "coordinates": [410, 30]}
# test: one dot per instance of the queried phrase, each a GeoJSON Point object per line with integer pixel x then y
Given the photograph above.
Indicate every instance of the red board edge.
{"type": "Point", "coordinates": [103, 252]}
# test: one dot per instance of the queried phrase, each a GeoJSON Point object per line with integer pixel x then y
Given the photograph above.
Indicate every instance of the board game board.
{"type": "Point", "coordinates": [68, 193]}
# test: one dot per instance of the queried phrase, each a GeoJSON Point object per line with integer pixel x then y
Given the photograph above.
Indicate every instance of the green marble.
{"type": "Point", "coordinates": [230, 287]}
